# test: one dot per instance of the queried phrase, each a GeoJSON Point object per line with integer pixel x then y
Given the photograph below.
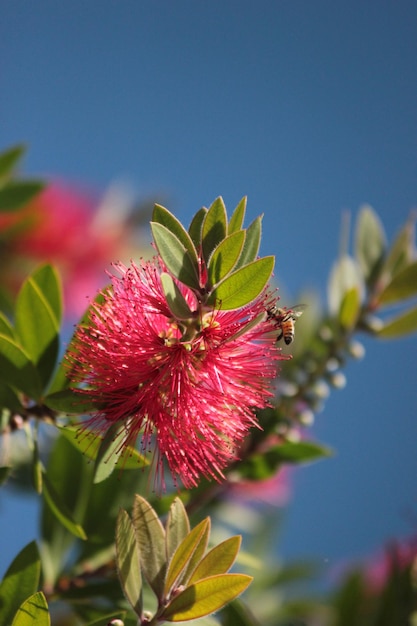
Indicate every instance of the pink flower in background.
{"type": "Point", "coordinates": [192, 396]}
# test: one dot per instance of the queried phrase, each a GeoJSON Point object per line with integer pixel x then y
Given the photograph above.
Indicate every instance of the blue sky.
{"type": "Point", "coordinates": [309, 108]}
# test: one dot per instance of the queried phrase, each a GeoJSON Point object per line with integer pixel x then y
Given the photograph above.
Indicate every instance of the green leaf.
{"type": "Point", "coordinates": [9, 159]}
{"type": "Point", "coordinates": [400, 325]}
{"type": "Point", "coordinates": [162, 216]}
{"type": "Point", "coordinates": [4, 473]}
{"type": "Point", "coordinates": [38, 310]}
{"type": "Point", "coordinates": [113, 452]}
{"type": "Point", "coordinates": [401, 252]}
{"type": "Point", "coordinates": [218, 560]}
{"type": "Point", "coordinates": [186, 557]}
{"type": "Point", "coordinates": [175, 256]}
{"type": "Point", "coordinates": [196, 227]}
{"type": "Point", "coordinates": [175, 300]}
{"type": "Point", "coordinates": [302, 451]}
{"type": "Point", "coordinates": [20, 581]}
{"type": "Point", "coordinates": [205, 597]}
{"type": "Point", "coordinates": [243, 286]}
{"type": "Point", "coordinates": [225, 257]}
{"type": "Point", "coordinates": [33, 612]}
{"type": "Point", "coordinates": [128, 561]}
{"type": "Point", "coordinates": [58, 507]}
{"type": "Point", "coordinates": [17, 368]}
{"type": "Point", "coordinates": [370, 241]}
{"type": "Point", "coordinates": [177, 527]}
{"type": "Point", "coordinates": [214, 227]}
{"type": "Point", "coordinates": [402, 286]}
{"type": "Point", "coordinates": [350, 308]}
{"type": "Point", "coordinates": [344, 276]}
{"type": "Point", "coordinates": [15, 194]}
{"type": "Point", "coordinates": [150, 535]}
{"type": "Point", "coordinates": [252, 243]}
{"type": "Point", "coordinates": [238, 215]}
{"type": "Point", "coordinates": [71, 401]}
{"type": "Point", "coordinates": [6, 328]}
{"type": "Point", "coordinates": [107, 619]}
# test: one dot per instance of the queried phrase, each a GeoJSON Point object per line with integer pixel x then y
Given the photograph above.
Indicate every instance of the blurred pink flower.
{"type": "Point", "coordinates": [275, 490]}
{"type": "Point", "coordinates": [193, 396]}
{"type": "Point", "coordinates": [396, 557]}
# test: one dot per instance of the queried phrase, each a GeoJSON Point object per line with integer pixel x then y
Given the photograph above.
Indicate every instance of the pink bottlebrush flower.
{"type": "Point", "coordinates": [189, 388]}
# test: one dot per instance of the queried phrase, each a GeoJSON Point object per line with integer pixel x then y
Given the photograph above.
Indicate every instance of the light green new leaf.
{"type": "Point", "coordinates": [20, 581]}
{"type": "Point", "coordinates": [243, 286]}
{"type": "Point", "coordinates": [9, 159]}
{"type": "Point", "coordinates": [205, 597]}
{"type": "Point", "coordinates": [162, 216]}
{"type": "Point", "coordinates": [344, 276]}
{"type": "Point", "coordinates": [128, 561]}
{"type": "Point", "coordinates": [150, 535]}
{"type": "Point", "coordinates": [225, 256]}
{"type": "Point", "coordinates": [60, 509]}
{"type": "Point", "coordinates": [238, 215]}
{"type": "Point", "coordinates": [187, 556]}
{"type": "Point", "coordinates": [402, 286]}
{"type": "Point", "coordinates": [196, 227]}
{"type": "Point", "coordinates": [15, 194]}
{"type": "Point", "coordinates": [175, 300]}
{"type": "Point", "coordinates": [175, 256]}
{"type": "Point", "coordinates": [400, 326]}
{"type": "Point", "coordinates": [214, 227]}
{"type": "Point", "coordinates": [252, 242]}
{"type": "Point", "coordinates": [218, 560]}
{"type": "Point", "coordinates": [33, 612]}
{"type": "Point", "coordinates": [177, 526]}
{"type": "Point", "coordinates": [350, 308]}
{"type": "Point", "coordinates": [17, 369]}
{"type": "Point", "coordinates": [401, 252]}
{"type": "Point", "coordinates": [370, 240]}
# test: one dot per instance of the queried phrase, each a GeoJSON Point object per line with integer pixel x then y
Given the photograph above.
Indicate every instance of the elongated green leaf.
{"type": "Point", "coordinates": [9, 159]}
{"type": "Point", "coordinates": [400, 326]}
{"type": "Point", "coordinates": [196, 227]}
{"type": "Point", "coordinates": [150, 536]}
{"type": "Point", "coordinates": [175, 256]}
{"type": "Point", "coordinates": [4, 473]}
{"type": "Point", "coordinates": [9, 398]}
{"type": "Point", "coordinates": [48, 280]}
{"type": "Point", "coordinates": [302, 451]}
{"type": "Point", "coordinates": [60, 509]}
{"type": "Point", "coordinates": [6, 328]}
{"type": "Point", "coordinates": [400, 254]}
{"type": "Point", "coordinates": [17, 369]}
{"type": "Point", "coordinates": [225, 256]}
{"type": "Point", "coordinates": [187, 556]}
{"type": "Point", "coordinates": [177, 527]}
{"type": "Point", "coordinates": [20, 581]}
{"type": "Point", "coordinates": [33, 612]}
{"type": "Point", "coordinates": [206, 596]}
{"type": "Point", "coordinates": [218, 560]}
{"type": "Point", "coordinates": [344, 276]}
{"type": "Point", "coordinates": [243, 286]}
{"type": "Point", "coordinates": [128, 561]}
{"type": "Point", "coordinates": [402, 286]}
{"type": "Point", "coordinates": [70, 401]}
{"type": "Point", "coordinates": [252, 242]}
{"type": "Point", "coordinates": [370, 240]}
{"type": "Point", "coordinates": [214, 227]}
{"type": "Point", "coordinates": [162, 216]}
{"type": "Point", "coordinates": [175, 300]}
{"type": "Point", "coordinates": [112, 453]}
{"type": "Point", "coordinates": [238, 215]}
{"type": "Point", "coordinates": [15, 194]}
{"type": "Point", "coordinates": [350, 308]}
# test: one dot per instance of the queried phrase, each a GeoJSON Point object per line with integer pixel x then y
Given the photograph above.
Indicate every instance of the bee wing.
{"type": "Point", "coordinates": [297, 310]}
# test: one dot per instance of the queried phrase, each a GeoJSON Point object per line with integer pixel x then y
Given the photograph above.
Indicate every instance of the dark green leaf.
{"type": "Point", "coordinates": [252, 243]}
{"type": "Point", "coordinates": [218, 560]}
{"type": "Point", "coordinates": [214, 227]}
{"type": "Point", "coordinates": [225, 257]}
{"type": "Point", "coordinates": [4, 473]}
{"type": "Point", "coordinates": [60, 509]}
{"type": "Point", "coordinates": [302, 451]}
{"type": "Point", "coordinates": [16, 194]}
{"type": "Point", "coordinates": [5, 327]}
{"type": "Point", "coordinates": [20, 581]}
{"type": "Point", "coordinates": [175, 256]}
{"type": "Point", "coordinates": [162, 216]}
{"type": "Point", "coordinates": [71, 401]}
{"type": "Point", "coordinates": [107, 619]}
{"type": "Point", "coordinates": [401, 287]}
{"type": "Point", "coordinates": [243, 286]}
{"type": "Point", "coordinates": [9, 159]}
{"type": "Point", "coordinates": [33, 612]}
{"type": "Point", "coordinates": [187, 556]}
{"type": "Point", "coordinates": [205, 597]}
{"type": "Point", "coordinates": [196, 227]}
{"type": "Point", "coordinates": [175, 300]}
{"type": "Point", "coordinates": [177, 527]}
{"type": "Point", "coordinates": [400, 325]}
{"type": "Point", "coordinates": [370, 240]}
{"type": "Point", "coordinates": [238, 215]}
{"type": "Point", "coordinates": [128, 561]}
{"type": "Point", "coordinates": [17, 368]}
{"type": "Point", "coordinates": [150, 536]}
{"type": "Point", "coordinates": [237, 614]}
{"type": "Point", "coordinates": [9, 398]}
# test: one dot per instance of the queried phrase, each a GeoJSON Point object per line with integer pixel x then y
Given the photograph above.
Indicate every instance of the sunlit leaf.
{"type": "Point", "coordinates": [401, 287]}
{"type": "Point", "coordinates": [33, 612]}
{"type": "Point", "coordinates": [17, 368]}
{"type": "Point", "coordinates": [6, 328]}
{"type": "Point", "coordinates": [187, 556]}
{"type": "Point", "coordinates": [400, 325]}
{"type": "Point", "coordinates": [243, 286]}
{"type": "Point", "coordinates": [150, 536]}
{"type": "Point", "coordinates": [128, 561]}
{"type": "Point", "coordinates": [214, 227]}
{"type": "Point", "coordinates": [252, 242]}
{"type": "Point", "coordinates": [60, 509]}
{"type": "Point", "coordinates": [238, 216]}
{"type": "Point", "coordinates": [205, 597]}
{"type": "Point", "coordinates": [218, 560]}
{"type": "Point", "coordinates": [196, 227]}
{"type": "Point", "coordinates": [175, 300]}
{"type": "Point", "coordinates": [162, 216]}
{"type": "Point", "coordinates": [175, 256]}
{"type": "Point", "coordinates": [20, 581]}
{"type": "Point", "coordinates": [350, 308]}
{"type": "Point", "coordinates": [9, 159]}
{"type": "Point", "coordinates": [225, 256]}
{"type": "Point", "coordinates": [177, 526]}
{"type": "Point", "coordinates": [370, 240]}
{"type": "Point", "coordinates": [15, 194]}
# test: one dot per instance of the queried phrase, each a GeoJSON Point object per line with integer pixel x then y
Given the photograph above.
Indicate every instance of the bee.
{"type": "Point", "coordinates": [285, 320]}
